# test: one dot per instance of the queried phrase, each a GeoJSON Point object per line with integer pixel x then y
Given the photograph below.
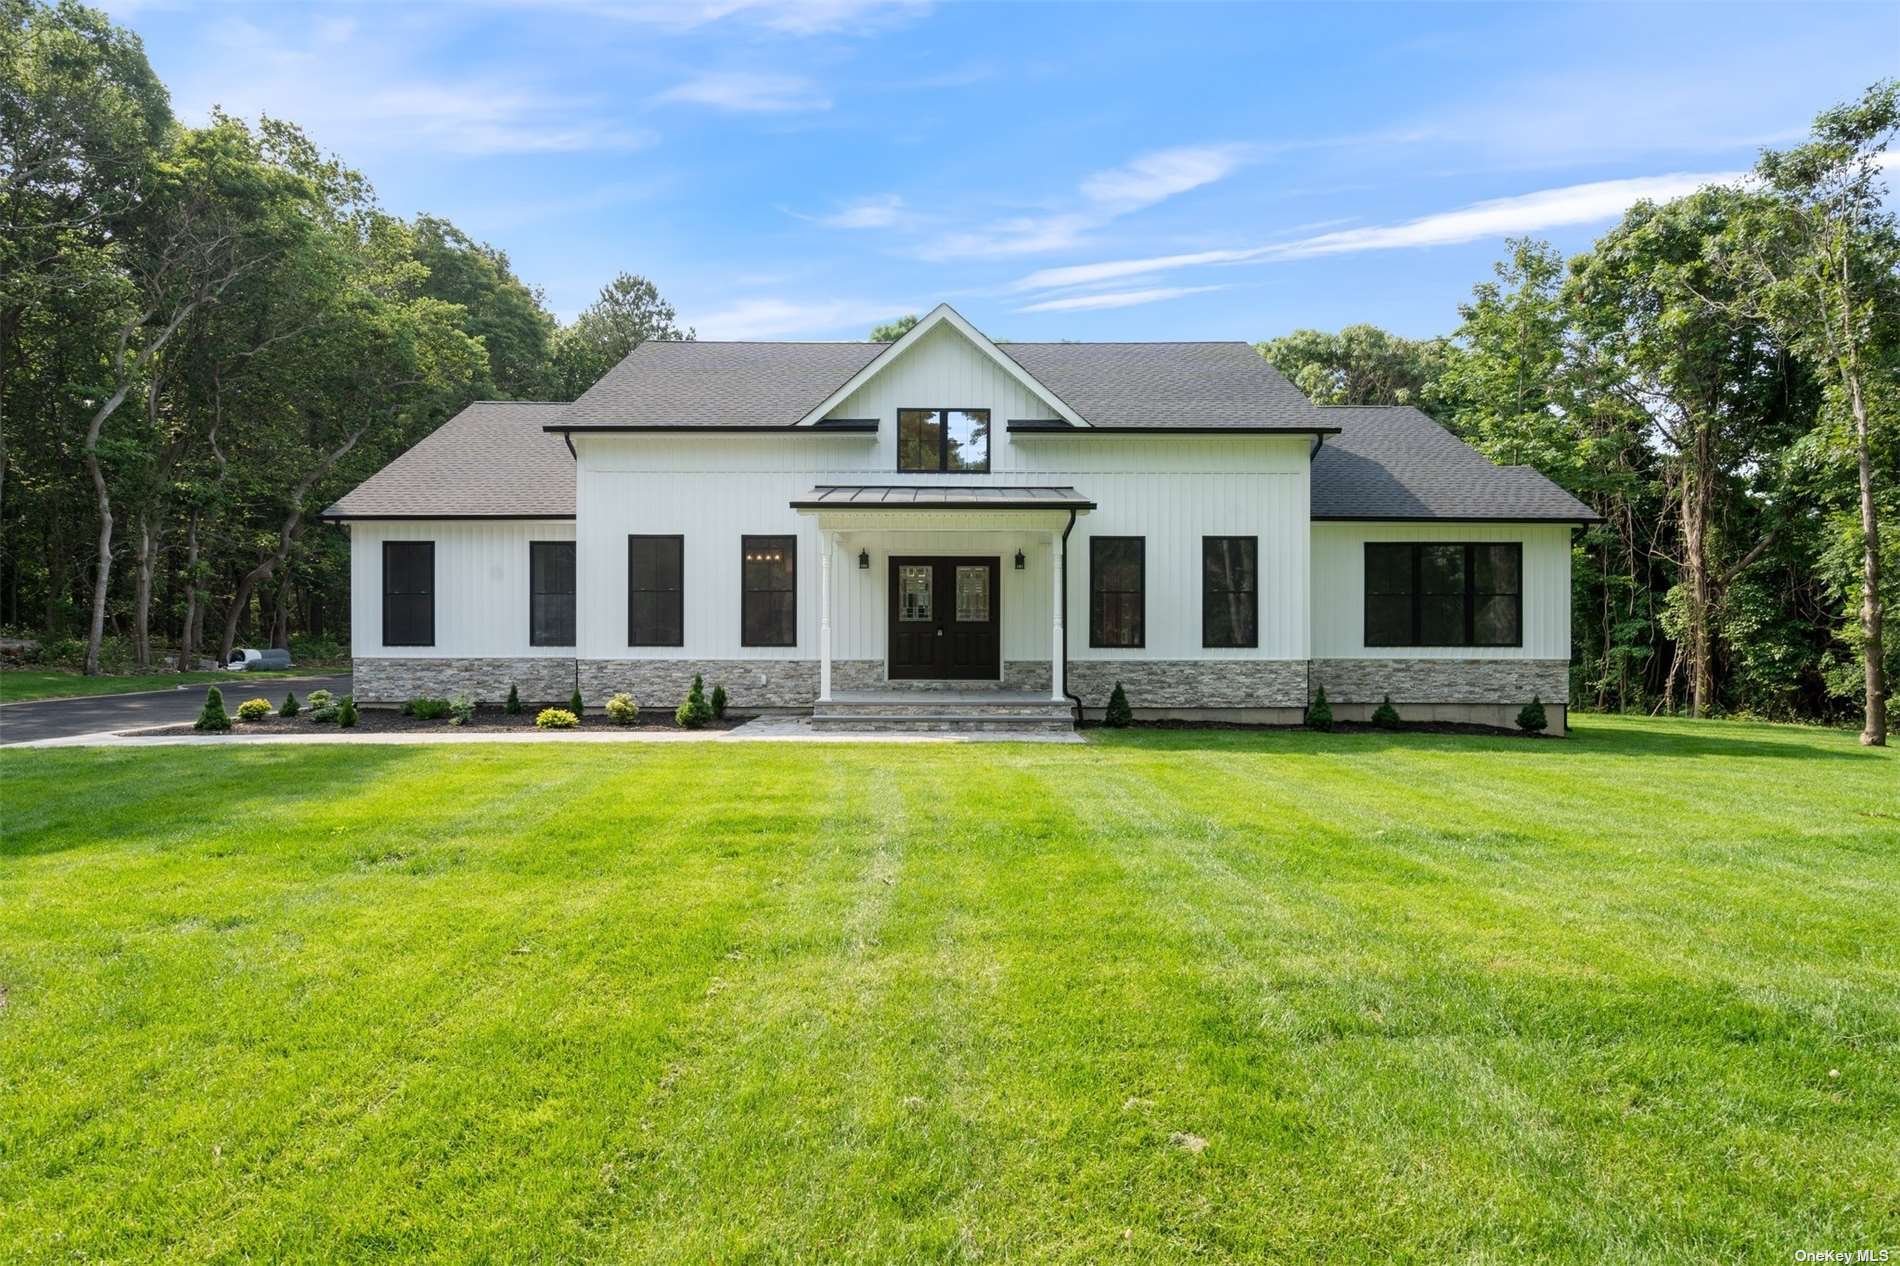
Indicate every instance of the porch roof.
{"type": "Point", "coordinates": [889, 497]}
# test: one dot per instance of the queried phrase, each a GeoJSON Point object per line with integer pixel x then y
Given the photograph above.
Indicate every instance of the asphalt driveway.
{"type": "Point", "coordinates": [64, 718]}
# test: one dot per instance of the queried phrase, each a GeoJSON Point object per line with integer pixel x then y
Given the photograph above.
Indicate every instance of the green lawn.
{"type": "Point", "coordinates": [17, 685]}
{"type": "Point", "coordinates": [1212, 997]}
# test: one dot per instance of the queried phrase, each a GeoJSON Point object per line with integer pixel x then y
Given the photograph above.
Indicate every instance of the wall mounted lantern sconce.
{"type": "Point", "coordinates": [1020, 564]}
{"type": "Point", "coordinates": [864, 560]}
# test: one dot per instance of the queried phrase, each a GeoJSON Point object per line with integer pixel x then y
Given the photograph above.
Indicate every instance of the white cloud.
{"type": "Point", "coordinates": [879, 211]}
{"type": "Point", "coordinates": [782, 318]}
{"type": "Point", "coordinates": [746, 92]}
{"type": "Point", "coordinates": [1116, 299]}
{"type": "Point", "coordinates": [787, 17]}
{"type": "Point", "coordinates": [1155, 177]}
{"type": "Point", "coordinates": [1496, 217]}
{"type": "Point", "coordinates": [1102, 197]}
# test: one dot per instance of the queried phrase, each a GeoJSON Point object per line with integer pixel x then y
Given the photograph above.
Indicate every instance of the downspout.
{"type": "Point", "coordinates": [1074, 699]}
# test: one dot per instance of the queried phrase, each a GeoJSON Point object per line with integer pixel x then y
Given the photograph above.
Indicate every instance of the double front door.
{"type": "Point", "coordinates": [944, 619]}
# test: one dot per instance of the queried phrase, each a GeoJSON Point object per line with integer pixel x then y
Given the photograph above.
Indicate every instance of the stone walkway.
{"type": "Point", "coordinates": [759, 730]}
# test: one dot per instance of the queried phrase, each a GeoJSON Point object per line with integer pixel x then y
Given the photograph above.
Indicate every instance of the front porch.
{"type": "Point", "coordinates": [941, 608]}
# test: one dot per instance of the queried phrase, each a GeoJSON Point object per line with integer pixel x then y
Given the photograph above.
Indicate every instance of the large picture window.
{"type": "Point", "coordinates": [1118, 581]}
{"type": "Point", "coordinates": [1230, 591]}
{"type": "Point", "coordinates": [550, 593]}
{"type": "Point", "coordinates": [656, 590]}
{"type": "Point", "coordinates": [408, 593]}
{"type": "Point", "coordinates": [943, 440]}
{"type": "Point", "coordinates": [768, 599]}
{"type": "Point", "coordinates": [1421, 594]}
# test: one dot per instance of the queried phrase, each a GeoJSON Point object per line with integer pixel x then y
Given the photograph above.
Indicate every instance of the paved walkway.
{"type": "Point", "coordinates": [763, 729]}
{"type": "Point", "coordinates": [36, 721]}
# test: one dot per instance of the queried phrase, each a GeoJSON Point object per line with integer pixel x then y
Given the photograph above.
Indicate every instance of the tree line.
{"type": "Point", "coordinates": [209, 333]}
{"type": "Point", "coordinates": [1717, 378]}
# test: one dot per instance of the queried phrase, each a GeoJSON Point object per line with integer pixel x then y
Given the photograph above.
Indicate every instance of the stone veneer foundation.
{"type": "Point", "coordinates": [383, 679]}
{"type": "Point", "coordinates": [1476, 691]}
{"type": "Point", "coordinates": [1167, 686]}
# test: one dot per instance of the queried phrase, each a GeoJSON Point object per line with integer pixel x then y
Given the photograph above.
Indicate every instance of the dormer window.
{"type": "Point", "coordinates": [935, 441]}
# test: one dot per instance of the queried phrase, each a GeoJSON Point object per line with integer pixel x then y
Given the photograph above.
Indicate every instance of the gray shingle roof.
{"type": "Point", "coordinates": [719, 384]}
{"type": "Point", "coordinates": [916, 497]}
{"type": "Point", "coordinates": [493, 459]}
{"type": "Point", "coordinates": [1166, 384]}
{"type": "Point", "coordinates": [728, 385]}
{"type": "Point", "coordinates": [1396, 463]}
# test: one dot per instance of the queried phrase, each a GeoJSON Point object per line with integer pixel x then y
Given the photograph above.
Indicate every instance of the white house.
{"type": "Point", "coordinates": [944, 524]}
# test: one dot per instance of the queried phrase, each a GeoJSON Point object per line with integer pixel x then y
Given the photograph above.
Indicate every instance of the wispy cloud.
{"type": "Point", "coordinates": [879, 211]}
{"type": "Point", "coordinates": [1116, 299]}
{"type": "Point", "coordinates": [1100, 198]}
{"type": "Point", "coordinates": [784, 318]}
{"type": "Point", "coordinates": [786, 17]}
{"type": "Point", "coordinates": [747, 92]}
{"type": "Point", "coordinates": [1495, 217]}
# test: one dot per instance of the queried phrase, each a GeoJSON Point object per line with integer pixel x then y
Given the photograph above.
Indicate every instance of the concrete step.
{"type": "Point", "coordinates": [943, 714]}
{"type": "Point", "coordinates": [940, 708]}
{"type": "Point", "coordinates": [927, 723]}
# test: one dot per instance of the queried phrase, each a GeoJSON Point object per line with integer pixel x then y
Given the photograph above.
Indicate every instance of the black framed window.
{"type": "Point", "coordinates": [1118, 582]}
{"type": "Point", "coordinates": [656, 591]}
{"type": "Point", "coordinates": [550, 593]}
{"type": "Point", "coordinates": [408, 593]}
{"type": "Point", "coordinates": [768, 591]}
{"type": "Point", "coordinates": [1445, 594]}
{"type": "Point", "coordinates": [1230, 591]}
{"type": "Point", "coordinates": [943, 440]}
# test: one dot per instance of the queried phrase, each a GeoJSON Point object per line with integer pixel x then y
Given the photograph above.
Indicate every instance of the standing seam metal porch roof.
{"type": "Point", "coordinates": [917, 497]}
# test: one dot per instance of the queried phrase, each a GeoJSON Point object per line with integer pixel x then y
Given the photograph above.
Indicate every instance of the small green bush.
{"type": "Point", "coordinates": [427, 709]}
{"type": "Point", "coordinates": [254, 709]}
{"type": "Point", "coordinates": [1385, 716]}
{"type": "Point", "coordinates": [622, 710]}
{"type": "Point", "coordinates": [461, 710]}
{"type": "Point", "coordinates": [291, 707]}
{"type": "Point", "coordinates": [327, 713]}
{"type": "Point", "coordinates": [1118, 714]}
{"type": "Point", "coordinates": [1320, 714]}
{"type": "Point", "coordinates": [576, 704]}
{"type": "Point", "coordinates": [556, 719]}
{"type": "Point", "coordinates": [719, 703]}
{"type": "Point", "coordinates": [695, 712]}
{"type": "Point", "coordinates": [346, 712]}
{"type": "Point", "coordinates": [211, 717]}
{"type": "Point", "coordinates": [320, 699]}
{"type": "Point", "coordinates": [513, 706]}
{"type": "Point", "coordinates": [1531, 718]}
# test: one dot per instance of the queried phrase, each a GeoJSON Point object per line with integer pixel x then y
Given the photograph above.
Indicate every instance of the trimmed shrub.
{"type": "Point", "coordinates": [622, 710]}
{"type": "Point", "coordinates": [1118, 714]}
{"type": "Point", "coordinates": [1319, 715]}
{"type": "Point", "coordinates": [1531, 718]}
{"type": "Point", "coordinates": [556, 719]}
{"type": "Point", "coordinates": [291, 707]}
{"type": "Point", "coordinates": [461, 710]}
{"type": "Point", "coordinates": [513, 706]}
{"type": "Point", "coordinates": [695, 712]}
{"type": "Point", "coordinates": [575, 704]}
{"type": "Point", "coordinates": [211, 717]}
{"type": "Point", "coordinates": [346, 712]}
{"type": "Point", "coordinates": [320, 699]}
{"type": "Point", "coordinates": [254, 709]}
{"type": "Point", "coordinates": [427, 709]}
{"type": "Point", "coordinates": [1385, 716]}
{"type": "Point", "coordinates": [719, 703]}
{"type": "Point", "coordinates": [327, 713]}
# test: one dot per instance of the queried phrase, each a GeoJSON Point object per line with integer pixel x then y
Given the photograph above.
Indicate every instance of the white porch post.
{"type": "Point", "coordinates": [1055, 605]}
{"type": "Point", "coordinates": [825, 542]}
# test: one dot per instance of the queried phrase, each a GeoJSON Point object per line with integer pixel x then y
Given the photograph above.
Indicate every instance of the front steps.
{"type": "Point", "coordinates": [939, 711]}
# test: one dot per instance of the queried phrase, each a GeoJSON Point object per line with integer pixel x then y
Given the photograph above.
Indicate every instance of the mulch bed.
{"type": "Point", "coordinates": [392, 721]}
{"type": "Point", "coordinates": [1339, 727]}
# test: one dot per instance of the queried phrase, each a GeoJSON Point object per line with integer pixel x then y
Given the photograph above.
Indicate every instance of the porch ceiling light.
{"type": "Point", "coordinates": [864, 560]}
{"type": "Point", "coordinates": [1020, 564]}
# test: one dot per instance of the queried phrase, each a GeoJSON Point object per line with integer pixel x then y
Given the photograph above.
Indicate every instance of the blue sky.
{"type": "Point", "coordinates": [1062, 171]}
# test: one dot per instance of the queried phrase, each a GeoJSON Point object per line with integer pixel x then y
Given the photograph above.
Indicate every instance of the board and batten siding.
{"type": "Point", "coordinates": [481, 586]}
{"type": "Point", "coordinates": [1339, 604]}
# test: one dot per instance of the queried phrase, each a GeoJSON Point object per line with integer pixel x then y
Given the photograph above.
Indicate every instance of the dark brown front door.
{"type": "Point", "coordinates": [944, 619]}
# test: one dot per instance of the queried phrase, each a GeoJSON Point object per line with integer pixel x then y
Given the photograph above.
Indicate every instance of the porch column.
{"type": "Point", "coordinates": [1055, 605]}
{"type": "Point", "coordinates": [825, 543]}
